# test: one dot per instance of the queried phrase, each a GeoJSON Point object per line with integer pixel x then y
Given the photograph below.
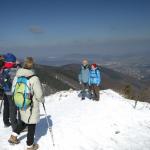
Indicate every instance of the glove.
{"type": "Point", "coordinates": [80, 82]}
{"type": "Point", "coordinates": [43, 100]}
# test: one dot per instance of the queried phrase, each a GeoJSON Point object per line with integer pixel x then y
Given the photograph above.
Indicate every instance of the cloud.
{"type": "Point", "coordinates": [36, 29]}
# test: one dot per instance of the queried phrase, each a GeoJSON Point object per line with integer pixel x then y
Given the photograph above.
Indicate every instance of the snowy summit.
{"type": "Point", "coordinates": [110, 124]}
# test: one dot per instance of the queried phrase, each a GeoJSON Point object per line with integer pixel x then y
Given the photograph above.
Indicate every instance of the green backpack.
{"type": "Point", "coordinates": [22, 95]}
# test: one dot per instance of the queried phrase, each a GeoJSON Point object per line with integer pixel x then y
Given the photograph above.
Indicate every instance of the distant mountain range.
{"type": "Point", "coordinates": [142, 58]}
{"type": "Point", "coordinates": [137, 65]}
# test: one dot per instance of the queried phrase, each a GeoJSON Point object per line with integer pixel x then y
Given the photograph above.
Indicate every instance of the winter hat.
{"type": "Point", "coordinates": [10, 57]}
{"type": "Point", "coordinates": [94, 65]}
{"type": "Point", "coordinates": [9, 60]}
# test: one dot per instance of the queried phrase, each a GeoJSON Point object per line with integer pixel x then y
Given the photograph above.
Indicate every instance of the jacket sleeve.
{"type": "Point", "coordinates": [37, 89]}
{"type": "Point", "coordinates": [98, 77]}
{"type": "Point", "coordinates": [12, 73]}
{"type": "Point", "coordinates": [79, 77]}
{"type": "Point", "coordinates": [14, 84]}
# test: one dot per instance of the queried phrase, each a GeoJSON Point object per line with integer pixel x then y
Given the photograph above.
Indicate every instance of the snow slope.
{"type": "Point", "coordinates": [110, 124]}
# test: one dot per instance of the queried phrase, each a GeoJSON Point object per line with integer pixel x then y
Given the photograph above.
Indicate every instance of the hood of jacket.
{"type": "Point", "coordinates": [25, 72]}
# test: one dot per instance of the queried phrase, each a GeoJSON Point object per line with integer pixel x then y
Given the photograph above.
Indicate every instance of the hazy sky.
{"type": "Point", "coordinates": [56, 27]}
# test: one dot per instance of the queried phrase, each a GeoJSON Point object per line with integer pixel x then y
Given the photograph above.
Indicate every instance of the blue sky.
{"type": "Point", "coordinates": [50, 27]}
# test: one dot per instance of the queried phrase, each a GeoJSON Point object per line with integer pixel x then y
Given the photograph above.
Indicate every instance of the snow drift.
{"type": "Point", "coordinates": [110, 124]}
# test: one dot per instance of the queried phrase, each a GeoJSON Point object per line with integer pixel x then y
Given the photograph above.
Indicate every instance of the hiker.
{"type": "Point", "coordinates": [1, 86]}
{"type": "Point", "coordinates": [7, 73]}
{"type": "Point", "coordinates": [27, 95]}
{"type": "Point", "coordinates": [94, 82]}
{"type": "Point", "coordinates": [84, 78]}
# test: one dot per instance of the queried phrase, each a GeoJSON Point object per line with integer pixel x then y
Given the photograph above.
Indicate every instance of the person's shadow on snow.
{"type": "Point", "coordinates": [42, 128]}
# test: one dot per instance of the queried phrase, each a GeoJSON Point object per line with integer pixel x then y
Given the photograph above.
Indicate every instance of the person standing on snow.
{"type": "Point", "coordinates": [84, 78]}
{"type": "Point", "coordinates": [94, 82]}
{"type": "Point", "coordinates": [1, 69]}
{"type": "Point", "coordinates": [7, 73]}
{"type": "Point", "coordinates": [30, 115]}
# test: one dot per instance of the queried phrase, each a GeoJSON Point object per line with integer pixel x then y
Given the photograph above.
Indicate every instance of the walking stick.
{"type": "Point", "coordinates": [1, 104]}
{"type": "Point", "coordinates": [49, 127]}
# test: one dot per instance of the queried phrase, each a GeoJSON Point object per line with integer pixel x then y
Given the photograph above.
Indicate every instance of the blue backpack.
{"type": "Point", "coordinates": [5, 81]}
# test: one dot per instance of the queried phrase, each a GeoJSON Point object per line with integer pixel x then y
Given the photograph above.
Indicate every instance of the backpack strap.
{"type": "Point", "coordinates": [31, 108]}
{"type": "Point", "coordinates": [30, 112]}
{"type": "Point", "coordinates": [30, 77]}
{"type": "Point", "coordinates": [97, 69]}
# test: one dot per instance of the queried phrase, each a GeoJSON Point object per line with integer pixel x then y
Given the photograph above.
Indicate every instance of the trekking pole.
{"type": "Point", "coordinates": [49, 127]}
{"type": "Point", "coordinates": [1, 104]}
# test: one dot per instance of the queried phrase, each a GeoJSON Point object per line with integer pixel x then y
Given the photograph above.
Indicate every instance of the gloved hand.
{"type": "Point", "coordinates": [80, 82]}
{"type": "Point", "coordinates": [43, 100]}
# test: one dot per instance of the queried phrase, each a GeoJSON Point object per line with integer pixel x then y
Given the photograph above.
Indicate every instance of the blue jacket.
{"type": "Point", "coordinates": [95, 77]}
{"type": "Point", "coordinates": [84, 74]}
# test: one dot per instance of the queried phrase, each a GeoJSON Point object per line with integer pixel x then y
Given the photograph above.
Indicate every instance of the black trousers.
{"type": "Point", "coordinates": [30, 134]}
{"type": "Point", "coordinates": [14, 114]}
{"type": "Point", "coordinates": [10, 113]}
{"type": "Point", "coordinates": [6, 109]}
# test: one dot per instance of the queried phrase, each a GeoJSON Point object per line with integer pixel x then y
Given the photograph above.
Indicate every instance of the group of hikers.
{"type": "Point", "coordinates": [90, 80]}
{"type": "Point", "coordinates": [21, 92]}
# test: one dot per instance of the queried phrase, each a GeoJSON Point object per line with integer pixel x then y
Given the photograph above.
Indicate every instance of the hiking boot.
{"type": "Point", "coordinates": [97, 99]}
{"type": "Point", "coordinates": [13, 140]}
{"type": "Point", "coordinates": [33, 147]}
{"type": "Point", "coordinates": [6, 125]}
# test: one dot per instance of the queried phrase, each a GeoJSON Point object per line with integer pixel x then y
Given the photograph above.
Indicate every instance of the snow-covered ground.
{"type": "Point", "coordinates": [110, 124]}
